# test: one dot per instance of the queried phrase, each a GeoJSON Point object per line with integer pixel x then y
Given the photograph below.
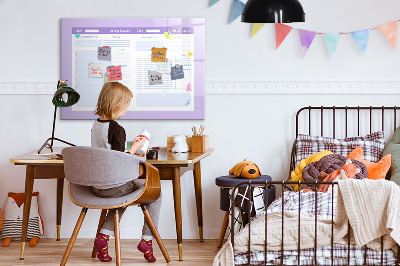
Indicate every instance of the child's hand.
{"type": "Point", "coordinates": [137, 144]}
{"type": "Point", "coordinates": [143, 155]}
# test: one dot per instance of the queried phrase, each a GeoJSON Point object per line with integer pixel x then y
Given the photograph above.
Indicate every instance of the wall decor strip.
{"type": "Point", "coordinates": [250, 87]}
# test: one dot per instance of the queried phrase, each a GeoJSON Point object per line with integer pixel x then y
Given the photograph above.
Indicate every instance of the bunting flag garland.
{"type": "Point", "coordinates": [332, 41]}
{"type": "Point", "coordinates": [256, 27]}
{"type": "Point", "coordinates": [306, 39]}
{"type": "Point", "coordinates": [213, 2]}
{"type": "Point", "coordinates": [281, 31]}
{"type": "Point", "coordinates": [237, 9]}
{"type": "Point", "coordinates": [389, 30]}
{"type": "Point", "coordinates": [361, 37]}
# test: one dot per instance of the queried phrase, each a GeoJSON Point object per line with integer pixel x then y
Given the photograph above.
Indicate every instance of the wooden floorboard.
{"type": "Point", "coordinates": [50, 252]}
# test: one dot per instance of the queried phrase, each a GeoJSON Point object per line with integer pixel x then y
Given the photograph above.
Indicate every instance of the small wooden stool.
{"type": "Point", "coordinates": [226, 183]}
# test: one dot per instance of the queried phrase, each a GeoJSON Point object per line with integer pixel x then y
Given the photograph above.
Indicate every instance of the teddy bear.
{"type": "Point", "coordinates": [13, 215]}
{"type": "Point", "coordinates": [245, 169]}
{"type": "Point", "coordinates": [180, 144]}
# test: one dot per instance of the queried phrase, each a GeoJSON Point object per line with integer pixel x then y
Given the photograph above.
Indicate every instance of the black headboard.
{"type": "Point", "coordinates": [343, 122]}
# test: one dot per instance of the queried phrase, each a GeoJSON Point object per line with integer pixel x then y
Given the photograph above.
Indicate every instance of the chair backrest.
{"type": "Point", "coordinates": [92, 166]}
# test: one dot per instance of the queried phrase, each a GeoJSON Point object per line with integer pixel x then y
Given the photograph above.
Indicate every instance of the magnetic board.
{"type": "Point", "coordinates": [161, 60]}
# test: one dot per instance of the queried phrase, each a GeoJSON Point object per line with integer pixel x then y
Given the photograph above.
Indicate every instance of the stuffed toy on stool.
{"type": "Point", "coordinates": [13, 215]}
{"type": "Point", "coordinates": [245, 169]}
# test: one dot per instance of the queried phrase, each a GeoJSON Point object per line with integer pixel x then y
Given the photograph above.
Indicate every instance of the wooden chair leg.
{"type": "Point", "coordinates": [101, 222]}
{"type": "Point", "coordinates": [223, 229]}
{"type": "Point", "coordinates": [154, 230]}
{"type": "Point", "coordinates": [117, 238]}
{"type": "Point", "coordinates": [73, 237]}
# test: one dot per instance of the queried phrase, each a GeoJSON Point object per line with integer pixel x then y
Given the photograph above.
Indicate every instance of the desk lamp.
{"type": "Point", "coordinates": [273, 11]}
{"type": "Point", "coordinates": [64, 96]}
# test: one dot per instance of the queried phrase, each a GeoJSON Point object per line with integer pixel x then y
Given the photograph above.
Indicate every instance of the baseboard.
{"type": "Point", "coordinates": [247, 87]}
{"type": "Point", "coordinates": [136, 233]}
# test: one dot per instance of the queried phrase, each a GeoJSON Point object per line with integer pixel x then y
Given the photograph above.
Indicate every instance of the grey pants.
{"type": "Point", "coordinates": [154, 208]}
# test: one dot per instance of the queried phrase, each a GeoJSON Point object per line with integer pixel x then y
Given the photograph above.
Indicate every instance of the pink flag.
{"type": "Point", "coordinates": [281, 31]}
{"type": "Point", "coordinates": [389, 30]}
{"type": "Point", "coordinates": [306, 39]}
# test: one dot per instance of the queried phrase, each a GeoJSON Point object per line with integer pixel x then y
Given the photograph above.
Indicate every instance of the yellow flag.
{"type": "Point", "coordinates": [255, 28]}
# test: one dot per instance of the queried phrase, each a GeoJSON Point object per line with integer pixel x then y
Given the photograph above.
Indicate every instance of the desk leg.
{"type": "Point", "coordinates": [199, 204]}
{"type": "Point", "coordinates": [176, 182]}
{"type": "Point", "coordinates": [60, 190]}
{"type": "Point", "coordinates": [27, 206]}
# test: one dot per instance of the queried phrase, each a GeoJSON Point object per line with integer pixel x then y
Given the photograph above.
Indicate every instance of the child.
{"type": "Point", "coordinates": [112, 104]}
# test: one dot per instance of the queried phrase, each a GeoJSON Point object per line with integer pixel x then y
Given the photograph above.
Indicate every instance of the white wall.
{"type": "Point", "coordinates": [259, 127]}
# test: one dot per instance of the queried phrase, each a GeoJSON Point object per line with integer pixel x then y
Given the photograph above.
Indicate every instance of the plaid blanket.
{"type": "Point", "coordinates": [340, 253]}
{"type": "Point", "coordinates": [323, 205]}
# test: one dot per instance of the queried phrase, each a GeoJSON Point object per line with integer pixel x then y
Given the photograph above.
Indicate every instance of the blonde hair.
{"type": "Point", "coordinates": [113, 99]}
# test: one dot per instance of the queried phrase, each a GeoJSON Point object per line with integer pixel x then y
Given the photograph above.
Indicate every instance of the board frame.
{"type": "Point", "coordinates": [199, 62]}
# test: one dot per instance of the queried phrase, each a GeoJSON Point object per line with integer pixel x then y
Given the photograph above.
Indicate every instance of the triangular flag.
{"type": "Point", "coordinates": [255, 28]}
{"type": "Point", "coordinates": [281, 31]}
{"type": "Point", "coordinates": [213, 2]}
{"type": "Point", "coordinates": [237, 9]}
{"type": "Point", "coordinates": [306, 39]}
{"type": "Point", "coordinates": [361, 37]}
{"type": "Point", "coordinates": [332, 41]}
{"type": "Point", "coordinates": [390, 32]}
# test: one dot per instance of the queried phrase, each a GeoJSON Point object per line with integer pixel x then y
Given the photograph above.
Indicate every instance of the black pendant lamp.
{"type": "Point", "coordinates": [273, 11]}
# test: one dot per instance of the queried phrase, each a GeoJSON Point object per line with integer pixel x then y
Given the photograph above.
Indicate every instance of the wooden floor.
{"type": "Point", "coordinates": [50, 252]}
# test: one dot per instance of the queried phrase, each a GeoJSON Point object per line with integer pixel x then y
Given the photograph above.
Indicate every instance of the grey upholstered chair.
{"type": "Point", "coordinates": [85, 167]}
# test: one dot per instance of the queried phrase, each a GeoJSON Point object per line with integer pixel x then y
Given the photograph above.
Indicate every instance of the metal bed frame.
{"type": "Point", "coordinates": [283, 184]}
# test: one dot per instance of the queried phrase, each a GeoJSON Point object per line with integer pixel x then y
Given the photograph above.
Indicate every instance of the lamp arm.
{"type": "Point", "coordinates": [54, 126]}
{"type": "Point", "coordinates": [46, 143]}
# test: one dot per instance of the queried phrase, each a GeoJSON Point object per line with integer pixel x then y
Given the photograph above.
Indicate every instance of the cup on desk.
{"type": "Point", "coordinates": [200, 143]}
{"type": "Point", "coordinates": [152, 155]}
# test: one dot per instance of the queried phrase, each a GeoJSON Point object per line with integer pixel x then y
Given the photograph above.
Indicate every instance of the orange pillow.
{"type": "Point", "coordinates": [375, 170]}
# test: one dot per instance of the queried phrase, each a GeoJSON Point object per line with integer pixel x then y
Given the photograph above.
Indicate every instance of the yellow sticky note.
{"type": "Point", "coordinates": [167, 35]}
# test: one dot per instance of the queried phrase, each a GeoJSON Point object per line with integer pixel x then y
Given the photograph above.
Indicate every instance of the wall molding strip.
{"type": "Point", "coordinates": [243, 87]}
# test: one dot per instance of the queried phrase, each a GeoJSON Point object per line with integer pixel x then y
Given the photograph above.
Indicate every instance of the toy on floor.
{"type": "Point", "coordinates": [13, 215]}
{"type": "Point", "coordinates": [180, 144]}
{"type": "Point", "coordinates": [245, 169]}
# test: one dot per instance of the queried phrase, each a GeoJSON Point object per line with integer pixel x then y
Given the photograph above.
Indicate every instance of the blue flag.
{"type": "Point", "coordinates": [237, 9]}
{"type": "Point", "coordinates": [361, 37]}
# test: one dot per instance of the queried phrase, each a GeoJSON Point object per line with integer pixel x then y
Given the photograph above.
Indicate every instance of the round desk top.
{"type": "Point", "coordinates": [230, 181]}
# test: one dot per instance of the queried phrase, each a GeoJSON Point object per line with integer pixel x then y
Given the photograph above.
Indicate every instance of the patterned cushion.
{"type": "Point", "coordinates": [372, 144]}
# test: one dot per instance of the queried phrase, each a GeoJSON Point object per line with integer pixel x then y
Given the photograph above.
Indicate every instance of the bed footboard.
{"type": "Point", "coordinates": [383, 258]}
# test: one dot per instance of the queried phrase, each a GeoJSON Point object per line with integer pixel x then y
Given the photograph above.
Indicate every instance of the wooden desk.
{"type": "Point", "coordinates": [168, 164]}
